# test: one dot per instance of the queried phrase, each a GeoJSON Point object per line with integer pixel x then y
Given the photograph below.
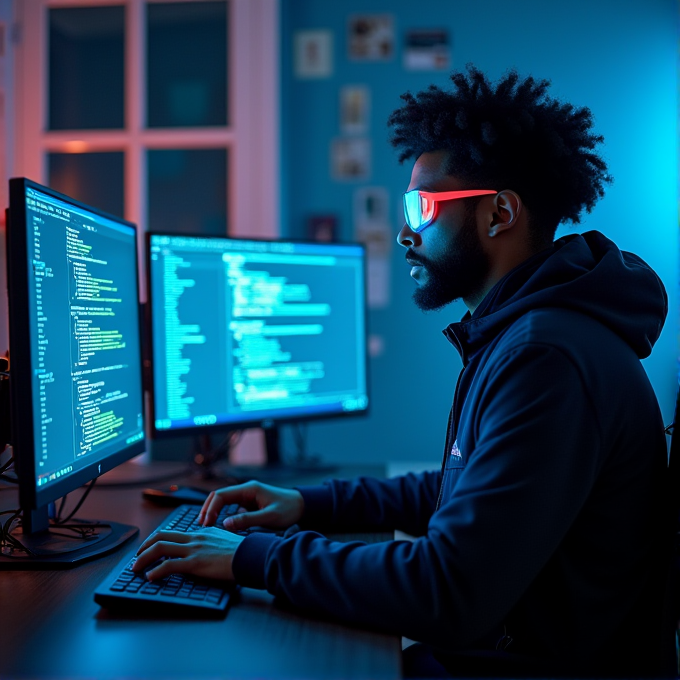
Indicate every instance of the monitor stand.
{"type": "Point", "coordinates": [275, 470]}
{"type": "Point", "coordinates": [60, 547]}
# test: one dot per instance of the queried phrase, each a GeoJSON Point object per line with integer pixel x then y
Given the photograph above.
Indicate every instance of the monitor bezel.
{"type": "Point", "coordinates": [21, 388]}
{"type": "Point", "coordinates": [246, 423]}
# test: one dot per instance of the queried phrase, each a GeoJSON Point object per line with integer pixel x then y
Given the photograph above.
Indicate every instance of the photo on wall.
{"type": "Point", "coordinates": [322, 228]}
{"type": "Point", "coordinates": [354, 110]}
{"type": "Point", "coordinates": [350, 158]}
{"type": "Point", "coordinates": [372, 227]}
{"type": "Point", "coordinates": [313, 58]}
{"type": "Point", "coordinates": [427, 50]}
{"type": "Point", "coordinates": [371, 37]}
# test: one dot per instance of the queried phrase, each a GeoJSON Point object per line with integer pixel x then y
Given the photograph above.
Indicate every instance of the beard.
{"type": "Point", "coordinates": [459, 272]}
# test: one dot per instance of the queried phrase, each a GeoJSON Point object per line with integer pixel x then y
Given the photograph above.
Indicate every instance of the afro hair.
{"type": "Point", "coordinates": [508, 136]}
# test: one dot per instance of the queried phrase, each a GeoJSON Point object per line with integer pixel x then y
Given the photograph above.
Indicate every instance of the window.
{"type": "Point", "coordinates": [160, 111]}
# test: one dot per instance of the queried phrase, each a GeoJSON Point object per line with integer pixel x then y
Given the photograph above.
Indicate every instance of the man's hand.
{"type": "Point", "coordinates": [208, 553]}
{"type": "Point", "coordinates": [262, 505]}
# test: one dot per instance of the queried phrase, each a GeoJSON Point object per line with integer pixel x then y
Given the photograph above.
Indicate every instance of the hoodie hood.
{"type": "Point", "coordinates": [586, 273]}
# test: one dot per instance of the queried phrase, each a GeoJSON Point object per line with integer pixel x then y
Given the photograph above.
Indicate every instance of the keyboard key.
{"type": "Point", "coordinates": [150, 589]}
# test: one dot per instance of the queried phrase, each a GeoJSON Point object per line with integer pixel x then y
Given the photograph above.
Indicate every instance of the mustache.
{"type": "Point", "coordinates": [412, 258]}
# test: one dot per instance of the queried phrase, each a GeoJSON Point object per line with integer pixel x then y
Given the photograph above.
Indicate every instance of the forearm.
{"type": "Point", "coordinates": [370, 504]}
{"type": "Point", "coordinates": [370, 585]}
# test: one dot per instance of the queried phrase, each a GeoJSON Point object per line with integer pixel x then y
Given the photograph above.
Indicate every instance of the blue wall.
{"type": "Point", "coordinates": [617, 57]}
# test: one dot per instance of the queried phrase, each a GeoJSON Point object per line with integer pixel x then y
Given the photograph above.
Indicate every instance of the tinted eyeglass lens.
{"type": "Point", "coordinates": [412, 210]}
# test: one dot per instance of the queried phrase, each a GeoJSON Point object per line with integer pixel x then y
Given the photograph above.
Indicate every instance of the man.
{"type": "Point", "coordinates": [540, 543]}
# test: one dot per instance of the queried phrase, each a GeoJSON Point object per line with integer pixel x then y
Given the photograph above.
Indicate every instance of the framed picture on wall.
{"type": "Point", "coordinates": [354, 110]}
{"type": "Point", "coordinates": [372, 227]}
{"type": "Point", "coordinates": [427, 50]}
{"type": "Point", "coordinates": [371, 37]}
{"type": "Point", "coordinates": [350, 158]}
{"type": "Point", "coordinates": [313, 54]}
{"type": "Point", "coordinates": [322, 228]}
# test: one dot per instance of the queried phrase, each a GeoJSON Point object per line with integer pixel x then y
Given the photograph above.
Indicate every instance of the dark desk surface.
{"type": "Point", "coordinates": [51, 626]}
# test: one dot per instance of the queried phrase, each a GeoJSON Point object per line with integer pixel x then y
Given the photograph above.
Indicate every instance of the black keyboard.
{"type": "Point", "coordinates": [124, 589]}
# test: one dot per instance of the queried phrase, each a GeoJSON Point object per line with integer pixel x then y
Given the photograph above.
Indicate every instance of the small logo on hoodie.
{"type": "Point", "coordinates": [455, 452]}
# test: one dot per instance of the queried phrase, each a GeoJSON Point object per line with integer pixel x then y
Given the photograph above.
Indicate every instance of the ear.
{"type": "Point", "coordinates": [507, 209]}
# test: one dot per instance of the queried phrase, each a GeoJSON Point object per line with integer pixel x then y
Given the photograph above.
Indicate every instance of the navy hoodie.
{"type": "Point", "coordinates": [542, 535]}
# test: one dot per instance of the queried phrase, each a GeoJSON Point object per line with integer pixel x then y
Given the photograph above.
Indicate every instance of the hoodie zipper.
{"type": "Point", "coordinates": [448, 429]}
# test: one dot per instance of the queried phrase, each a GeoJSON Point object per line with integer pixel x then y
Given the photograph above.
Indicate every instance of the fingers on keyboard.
{"type": "Point", "coordinates": [204, 509]}
{"type": "Point", "coordinates": [241, 494]}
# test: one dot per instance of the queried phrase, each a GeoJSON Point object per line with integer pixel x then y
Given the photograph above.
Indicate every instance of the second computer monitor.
{"type": "Point", "coordinates": [253, 332]}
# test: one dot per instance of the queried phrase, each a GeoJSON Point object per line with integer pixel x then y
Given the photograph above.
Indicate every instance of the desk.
{"type": "Point", "coordinates": [51, 627]}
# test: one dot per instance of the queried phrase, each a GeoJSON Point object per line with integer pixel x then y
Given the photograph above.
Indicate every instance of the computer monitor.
{"type": "Point", "coordinates": [77, 407]}
{"type": "Point", "coordinates": [254, 333]}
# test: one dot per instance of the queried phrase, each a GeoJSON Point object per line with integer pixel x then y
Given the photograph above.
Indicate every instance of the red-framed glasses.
{"type": "Point", "coordinates": [420, 207]}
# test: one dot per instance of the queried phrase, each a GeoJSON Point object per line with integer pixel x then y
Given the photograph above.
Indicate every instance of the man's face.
{"type": "Point", "coordinates": [447, 257]}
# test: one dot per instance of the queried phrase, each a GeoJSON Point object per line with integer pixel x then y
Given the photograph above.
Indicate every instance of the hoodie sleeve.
{"type": "Point", "coordinates": [484, 546]}
{"type": "Point", "coordinates": [369, 504]}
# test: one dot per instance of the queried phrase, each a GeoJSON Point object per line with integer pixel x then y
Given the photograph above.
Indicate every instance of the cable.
{"type": "Point", "coordinates": [205, 462]}
{"type": "Point", "coordinates": [60, 522]}
{"type": "Point", "coordinates": [82, 530]}
{"type": "Point", "coordinates": [214, 454]}
{"type": "Point", "coordinates": [61, 506]}
{"type": "Point", "coordinates": [300, 435]}
{"type": "Point", "coordinates": [8, 543]}
{"type": "Point", "coordinates": [5, 467]}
